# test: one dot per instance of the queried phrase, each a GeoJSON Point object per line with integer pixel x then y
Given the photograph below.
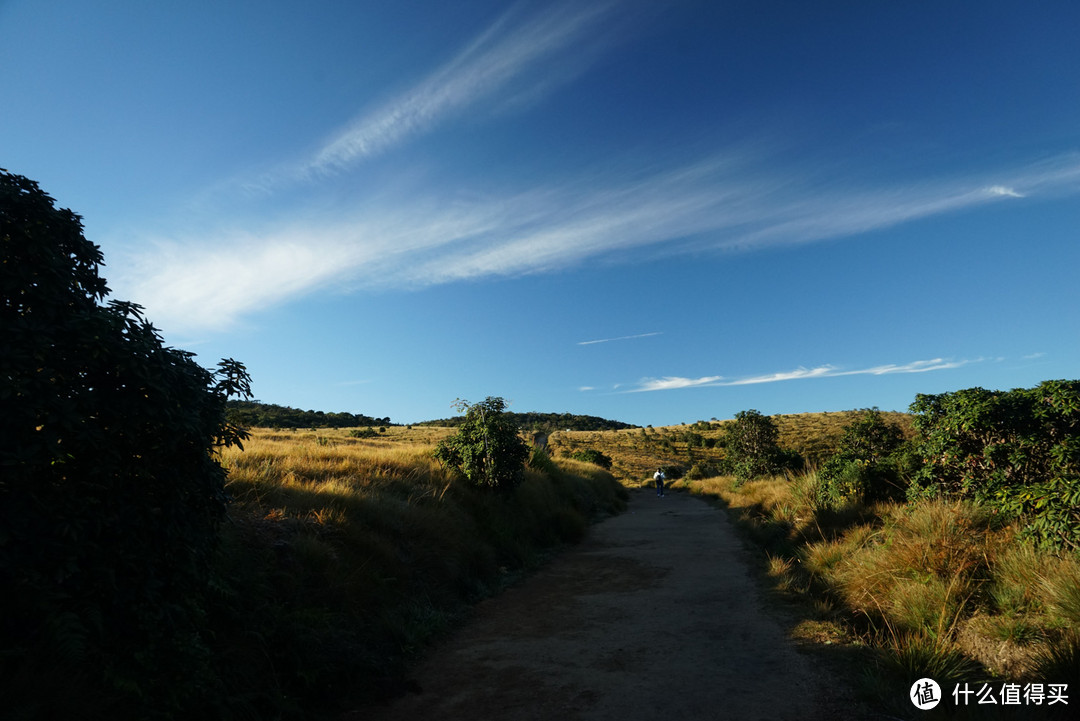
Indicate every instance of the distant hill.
{"type": "Point", "coordinates": [546, 422]}
{"type": "Point", "coordinates": [816, 436]}
{"type": "Point", "coordinates": [253, 414]}
{"type": "Point", "coordinates": [679, 448]}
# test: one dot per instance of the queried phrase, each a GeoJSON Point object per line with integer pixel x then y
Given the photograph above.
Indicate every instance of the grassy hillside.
{"type": "Point", "coordinates": [637, 452]}
{"type": "Point", "coordinates": [344, 557]}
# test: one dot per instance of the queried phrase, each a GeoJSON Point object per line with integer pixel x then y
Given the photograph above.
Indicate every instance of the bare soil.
{"type": "Point", "coordinates": [655, 615]}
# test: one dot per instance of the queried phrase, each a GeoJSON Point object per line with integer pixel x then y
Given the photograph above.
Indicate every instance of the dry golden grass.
{"type": "Point", "coordinates": [942, 584]}
{"type": "Point", "coordinates": [310, 460]}
{"type": "Point", "coordinates": [935, 588]}
{"type": "Point", "coordinates": [343, 556]}
{"type": "Point", "coordinates": [637, 452]}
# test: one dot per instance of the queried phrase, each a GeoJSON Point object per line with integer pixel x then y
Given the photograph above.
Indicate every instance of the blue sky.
{"type": "Point", "coordinates": [652, 212]}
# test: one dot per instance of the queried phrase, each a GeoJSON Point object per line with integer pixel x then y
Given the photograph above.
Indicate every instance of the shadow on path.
{"type": "Point", "coordinates": [655, 615]}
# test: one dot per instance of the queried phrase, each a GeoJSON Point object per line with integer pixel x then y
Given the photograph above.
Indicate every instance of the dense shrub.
{"type": "Point", "coordinates": [110, 495]}
{"type": "Point", "coordinates": [703, 469]}
{"type": "Point", "coordinates": [867, 465]}
{"type": "Point", "coordinates": [591, 455]}
{"type": "Point", "coordinates": [487, 448]}
{"type": "Point", "coordinates": [363, 433]}
{"type": "Point", "coordinates": [673, 472]}
{"type": "Point", "coordinates": [693, 440]}
{"type": "Point", "coordinates": [1018, 451]}
{"type": "Point", "coordinates": [751, 447]}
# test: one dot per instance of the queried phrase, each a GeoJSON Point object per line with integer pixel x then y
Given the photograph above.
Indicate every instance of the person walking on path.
{"type": "Point", "coordinates": [659, 478]}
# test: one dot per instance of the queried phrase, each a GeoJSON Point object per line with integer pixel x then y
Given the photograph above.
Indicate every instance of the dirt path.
{"type": "Point", "coordinates": [654, 616]}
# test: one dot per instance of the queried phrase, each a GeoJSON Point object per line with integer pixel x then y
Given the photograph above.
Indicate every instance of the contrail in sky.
{"type": "Point", "coordinates": [623, 337]}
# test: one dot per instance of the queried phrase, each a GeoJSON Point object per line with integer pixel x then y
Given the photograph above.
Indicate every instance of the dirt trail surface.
{"type": "Point", "coordinates": [655, 615]}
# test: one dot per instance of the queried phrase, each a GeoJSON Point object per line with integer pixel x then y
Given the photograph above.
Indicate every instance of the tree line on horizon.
{"type": "Point", "coordinates": [255, 414]}
{"type": "Point", "coordinates": [544, 422]}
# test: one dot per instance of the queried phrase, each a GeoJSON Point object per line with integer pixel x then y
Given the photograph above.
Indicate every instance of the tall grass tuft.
{"type": "Point", "coordinates": [921, 571]}
{"type": "Point", "coordinates": [939, 589]}
{"type": "Point", "coordinates": [908, 657]}
{"type": "Point", "coordinates": [1060, 586]}
{"type": "Point", "coordinates": [1059, 661]}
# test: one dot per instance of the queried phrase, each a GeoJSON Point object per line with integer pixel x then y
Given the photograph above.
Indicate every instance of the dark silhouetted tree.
{"type": "Point", "coordinates": [110, 493]}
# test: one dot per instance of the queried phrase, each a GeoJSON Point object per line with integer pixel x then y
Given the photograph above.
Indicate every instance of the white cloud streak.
{"type": "Point", "coordinates": [826, 371]}
{"type": "Point", "coordinates": [192, 283]}
{"type": "Point", "coordinates": [503, 53]}
{"type": "Point", "coordinates": [731, 202]}
{"type": "Point", "coordinates": [623, 337]}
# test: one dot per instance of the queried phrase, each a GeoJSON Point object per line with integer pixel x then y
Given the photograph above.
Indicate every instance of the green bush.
{"type": "Point", "coordinates": [867, 465]}
{"type": "Point", "coordinates": [111, 495]}
{"type": "Point", "coordinates": [487, 448]}
{"type": "Point", "coordinates": [591, 455]}
{"type": "Point", "coordinates": [541, 460]}
{"type": "Point", "coordinates": [673, 472]}
{"type": "Point", "coordinates": [693, 440]}
{"type": "Point", "coordinates": [751, 447]}
{"type": "Point", "coordinates": [1018, 451]}
{"type": "Point", "coordinates": [703, 469]}
{"type": "Point", "coordinates": [363, 433]}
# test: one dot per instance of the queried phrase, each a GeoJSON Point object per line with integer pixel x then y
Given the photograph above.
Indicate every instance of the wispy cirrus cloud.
{"type": "Point", "coordinates": [509, 50]}
{"type": "Point", "coordinates": [668, 383]}
{"type": "Point", "coordinates": [730, 203]}
{"type": "Point", "coordinates": [825, 371]}
{"type": "Point", "coordinates": [622, 337]}
{"type": "Point", "coordinates": [734, 201]}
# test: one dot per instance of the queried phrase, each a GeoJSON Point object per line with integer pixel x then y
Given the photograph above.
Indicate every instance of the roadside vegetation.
{"type": "Point", "coordinates": [343, 558]}
{"type": "Point", "coordinates": [696, 450]}
{"type": "Point", "coordinates": [161, 562]}
{"type": "Point", "coordinates": [941, 543]}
